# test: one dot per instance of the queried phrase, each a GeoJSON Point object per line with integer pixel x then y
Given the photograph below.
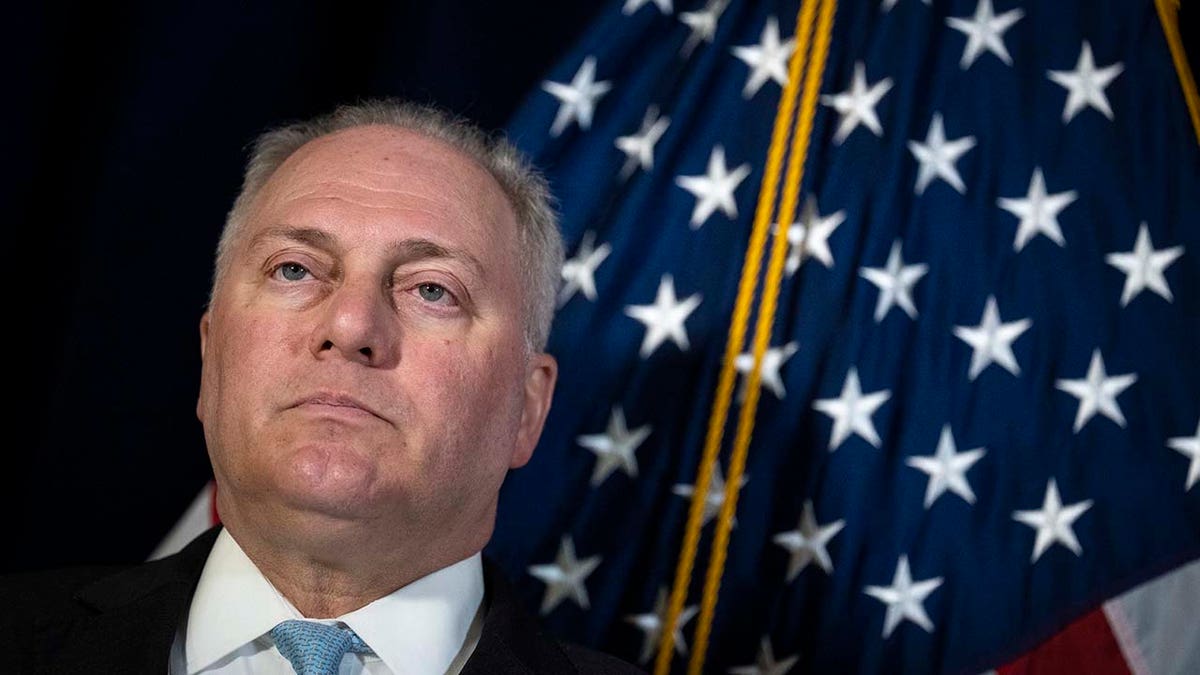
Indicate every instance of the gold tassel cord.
{"type": "Point", "coordinates": [1168, 15]}
{"type": "Point", "coordinates": [736, 338]}
{"type": "Point", "coordinates": [765, 321]}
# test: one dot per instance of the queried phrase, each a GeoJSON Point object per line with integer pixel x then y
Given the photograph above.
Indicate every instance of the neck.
{"type": "Point", "coordinates": [320, 590]}
{"type": "Point", "coordinates": [326, 572]}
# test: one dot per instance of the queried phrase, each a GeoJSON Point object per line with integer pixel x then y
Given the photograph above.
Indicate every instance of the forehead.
{"type": "Point", "coordinates": [379, 177]}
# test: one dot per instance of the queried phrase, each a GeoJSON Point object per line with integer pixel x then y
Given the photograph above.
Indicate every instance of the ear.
{"type": "Point", "coordinates": [205, 320]}
{"type": "Point", "coordinates": [539, 390]}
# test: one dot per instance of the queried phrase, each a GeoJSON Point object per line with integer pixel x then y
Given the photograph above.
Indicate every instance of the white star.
{"type": "Point", "coordinates": [985, 30]}
{"type": "Point", "coordinates": [895, 281]}
{"type": "Point", "coordinates": [851, 411]}
{"type": "Point", "coordinates": [765, 663]}
{"type": "Point", "coordinates": [904, 598]}
{"type": "Point", "coordinates": [937, 156]}
{"type": "Point", "coordinates": [565, 577]}
{"type": "Point", "coordinates": [1144, 266]}
{"type": "Point", "coordinates": [1097, 392]}
{"type": "Point", "coordinates": [639, 148]}
{"type": "Point", "coordinates": [1038, 212]}
{"type": "Point", "coordinates": [664, 319]}
{"type": "Point", "coordinates": [1085, 85]}
{"type": "Point", "coordinates": [615, 447]}
{"type": "Point", "coordinates": [578, 99]}
{"type": "Point", "coordinates": [808, 542]}
{"type": "Point", "coordinates": [714, 189]}
{"type": "Point", "coordinates": [810, 237]}
{"type": "Point", "coordinates": [947, 469]}
{"type": "Point", "coordinates": [651, 625]}
{"type": "Point", "coordinates": [716, 493]}
{"type": "Point", "coordinates": [814, 233]}
{"type": "Point", "coordinates": [1190, 447]}
{"type": "Point", "coordinates": [767, 60]}
{"type": "Point", "coordinates": [702, 24]}
{"type": "Point", "coordinates": [773, 360]}
{"type": "Point", "coordinates": [632, 6]}
{"type": "Point", "coordinates": [857, 104]}
{"type": "Point", "coordinates": [1053, 522]}
{"type": "Point", "coordinates": [889, 4]}
{"type": "Point", "coordinates": [579, 272]}
{"type": "Point", "coordinates": [991, 341]}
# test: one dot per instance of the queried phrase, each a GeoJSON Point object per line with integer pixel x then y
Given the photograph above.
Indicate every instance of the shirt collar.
{"type": "Point", "coordinates": [418, 628]}
{"type": "Point", "coordinates": [421, 627]}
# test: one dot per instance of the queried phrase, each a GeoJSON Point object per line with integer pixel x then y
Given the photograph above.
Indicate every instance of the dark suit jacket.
{"type": "Point", "coordinates": [123, 620]}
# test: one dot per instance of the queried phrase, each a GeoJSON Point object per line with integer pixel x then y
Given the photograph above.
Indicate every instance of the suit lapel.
{"type": "Point", "coordinates": [130, 617]}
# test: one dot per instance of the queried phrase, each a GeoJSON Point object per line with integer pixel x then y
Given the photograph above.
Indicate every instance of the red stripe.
{"type": "Point", "coordinates": [1086, 646]}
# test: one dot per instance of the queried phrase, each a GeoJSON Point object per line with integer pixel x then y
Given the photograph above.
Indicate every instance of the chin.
{"type": "Point", "coordinates": [328, 478]}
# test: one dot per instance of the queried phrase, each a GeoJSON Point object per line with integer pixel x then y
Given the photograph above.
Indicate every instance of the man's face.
{"type": "Point", "coordinates": [364, 355]}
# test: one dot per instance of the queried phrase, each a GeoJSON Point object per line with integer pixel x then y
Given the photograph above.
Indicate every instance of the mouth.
{"type": "Point", "coordinates": [337, 404]}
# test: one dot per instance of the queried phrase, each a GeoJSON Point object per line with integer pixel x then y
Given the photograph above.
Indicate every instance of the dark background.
{"type": "Point", "coordinates": [126, 147]}
{"type": "Point", "coordinates": [125, 136]}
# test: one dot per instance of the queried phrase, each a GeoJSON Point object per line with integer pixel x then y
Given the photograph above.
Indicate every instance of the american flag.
{"type": "Point", "coordinates": [980, 409]}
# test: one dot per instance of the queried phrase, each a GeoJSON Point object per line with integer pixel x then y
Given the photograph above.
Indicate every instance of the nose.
{"type": "Point", "coordinates": [357, 322]}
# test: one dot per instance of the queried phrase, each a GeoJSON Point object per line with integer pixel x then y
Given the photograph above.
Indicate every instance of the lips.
{"type": "Point", "coordinates": [336, 400]}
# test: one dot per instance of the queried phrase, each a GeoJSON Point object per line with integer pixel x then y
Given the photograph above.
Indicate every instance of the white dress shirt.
{"type": "Point", "coordinates": [429, 627]}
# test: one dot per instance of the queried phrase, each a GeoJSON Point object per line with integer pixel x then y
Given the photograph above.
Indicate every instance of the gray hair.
{"type": "Point", "coordinates": [539, 240]}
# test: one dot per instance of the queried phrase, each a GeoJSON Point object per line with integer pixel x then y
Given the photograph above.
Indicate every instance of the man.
{"type": "Point", "coordinates": [372, 367]}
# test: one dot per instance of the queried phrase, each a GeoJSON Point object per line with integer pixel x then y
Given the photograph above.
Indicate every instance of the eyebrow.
{"type": "Point", "coordinates": [408, 250]}
{"type": "Point", "coordinates": [404, 250]}
{"type": "Point", "coordinates": [304, 235]}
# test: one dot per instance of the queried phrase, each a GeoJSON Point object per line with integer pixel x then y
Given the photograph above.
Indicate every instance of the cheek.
{"type": "Point", "coordinates": [475, 403]}
{"type": "Point", "coordinates": [252, 343]}
{"type": "Point", "coordinates": [491, 380]}
{"type": "Point", "coordinates": [248, 356]}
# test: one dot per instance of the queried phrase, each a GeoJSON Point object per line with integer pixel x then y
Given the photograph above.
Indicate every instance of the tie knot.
{"type": "Point", "coordinates": [316, 648]}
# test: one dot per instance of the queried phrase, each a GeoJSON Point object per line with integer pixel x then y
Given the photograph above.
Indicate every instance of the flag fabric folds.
{"type": "Point", "coordinates": [980, 405]}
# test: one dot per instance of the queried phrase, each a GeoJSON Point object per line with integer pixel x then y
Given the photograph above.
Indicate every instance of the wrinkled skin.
{"type": "Point", "coordinates": [366, 383]}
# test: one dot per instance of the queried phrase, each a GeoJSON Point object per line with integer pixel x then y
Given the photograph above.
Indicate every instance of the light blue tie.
{"type": "Point", "coordinates": [316, 648]}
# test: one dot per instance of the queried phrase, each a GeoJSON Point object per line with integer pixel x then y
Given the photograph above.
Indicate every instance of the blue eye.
{"type": "Point", "coordinates": [431, 292]}
{"type": "Point", "coordinates": [292, 271]}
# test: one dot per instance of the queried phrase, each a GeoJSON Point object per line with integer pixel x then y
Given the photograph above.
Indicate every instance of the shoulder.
{"type": "Point", "coordinates": [49, 616]}
{"type": "Point", "coordinates": [98, 587]}
{"type": "Point", "coordinates": [100, 618]}
{"type": "Point", "coordinates": [34, 605]}
{"type": "Point", "coordinates": [588, 661]}
{"type": "Point", "coordinates": [30, 595]}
